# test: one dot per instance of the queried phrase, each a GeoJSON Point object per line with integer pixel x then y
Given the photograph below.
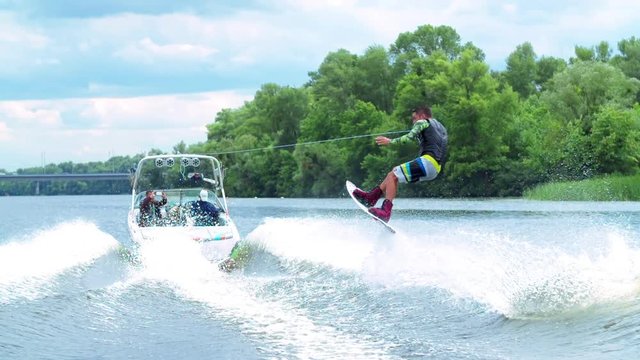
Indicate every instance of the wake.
{"type": "Point", "coordinates": [234, 298]}
{"type": "Point", "coordinates": [518, 278]}
{"type": "Point", "coordinates": [29, 267]}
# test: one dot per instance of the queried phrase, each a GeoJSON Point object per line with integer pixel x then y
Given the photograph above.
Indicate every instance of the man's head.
{"type": "Point", "coordinates": [149, 194]}
{"type": "Point", "coordinates": [421, 113]}
{"type": "Point", "coordinates": [204, 195]}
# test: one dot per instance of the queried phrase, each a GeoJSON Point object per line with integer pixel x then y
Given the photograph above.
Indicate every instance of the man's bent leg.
{"type": "Point", "coordinates": [390, 186]}
{"type": "Point", "coordinates": [412, 171]}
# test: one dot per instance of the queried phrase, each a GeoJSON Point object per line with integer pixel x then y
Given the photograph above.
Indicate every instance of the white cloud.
{"type": "Point", "coordinates": [92, 129]}
{"type": "Point", "coordinates": [303, 32]}
{"type": "Point", "coordinates": [29, 114]}
{"type": "Point", "coordinates": [510, 8]}
{"type": "Point", "coordinates": [160, 41]}
{"type": "Point", "coordinates": [13, 33]}
{"type": "Point", "coordinates": [147, 51]}
{"type": "Point", "coordinates": [22, 47]}
{"type": "Point", "coordinates": [5, 134]}
{"type": "Point", "coordinates": [160, 112]}
{"type": "Point", "coordinates": [128, 55]}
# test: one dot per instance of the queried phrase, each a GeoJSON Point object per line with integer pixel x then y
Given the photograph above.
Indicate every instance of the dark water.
{"type": "Point", "coordinates": [492, 279]}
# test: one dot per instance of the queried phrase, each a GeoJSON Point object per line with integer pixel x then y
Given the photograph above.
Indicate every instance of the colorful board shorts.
{"type": "Point", "coordinates": [423, 168]}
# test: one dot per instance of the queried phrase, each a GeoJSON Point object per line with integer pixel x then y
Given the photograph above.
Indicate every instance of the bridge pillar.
{"type": "Point", "coordinates": [37, 187]}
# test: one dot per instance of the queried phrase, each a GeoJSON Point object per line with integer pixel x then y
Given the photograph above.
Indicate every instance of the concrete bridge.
{"type": "Point", "coordinates": [65, 177]}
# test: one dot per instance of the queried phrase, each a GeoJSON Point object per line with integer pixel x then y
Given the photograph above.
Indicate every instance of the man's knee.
{"type": "Point", "coordinates": [391, 177]}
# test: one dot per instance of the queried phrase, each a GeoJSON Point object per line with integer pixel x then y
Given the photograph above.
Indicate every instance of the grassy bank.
{"type": "Point", "coordinates": [609, 188]}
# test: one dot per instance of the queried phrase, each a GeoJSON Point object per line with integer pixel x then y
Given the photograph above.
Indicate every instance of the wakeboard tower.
{"type": "Point", "coordinates": [350, 188]}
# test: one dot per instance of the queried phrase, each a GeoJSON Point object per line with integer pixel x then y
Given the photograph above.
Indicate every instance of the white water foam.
{"type": "Point", "coordinates": [28, 267]}
{"type": "Point", "coordinates": [323, 241]}
{"type": "Point", "coordinates": [572, 282]}
{"type": "Point", "coordinates": [180, 265]}
{"type": "Point", "coordinates": [509, 276]}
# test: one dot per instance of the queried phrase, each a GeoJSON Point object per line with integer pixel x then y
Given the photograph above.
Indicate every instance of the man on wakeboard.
{"type": "Point", "coordinates": [432, 137]}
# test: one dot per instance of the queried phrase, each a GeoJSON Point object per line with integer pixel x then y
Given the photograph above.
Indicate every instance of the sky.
{"type": "Point", "coordinates": [85, 80]}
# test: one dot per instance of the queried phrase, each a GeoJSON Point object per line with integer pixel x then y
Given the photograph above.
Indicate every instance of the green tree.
{"type": "Point", "coordinates": [323, 169]}
{"type": "Point", "coordinates": [576, 97]}
{"type": "Point", "coordinates": [535, 138]}
{"type": "Point", "coordinates": [629, 58]}
{"type": "Point", "coordinates": [240, 176]}
{"type": "Point", "coordinates": [423, 43]}
{"type": "Point", "coordinates": [375, 82]}
{"type": "Point", "coordinates": [413, 88]}
{"type": "Point", "coordinates": [521, 72]}
{"type": "Point", "coordinates": [363, 119]}
{"type": "Point", "coordinates": [224, 124]}
{"type": "Point", "coordinates": [180, 148]}
{"type": "Point", "coordinates": [615, 140]}
{"type": "Point", "coordinates": [547, 67]}
{"type": "Point", "coordinates": [335, 80]}
{"type": "Point", "coordinates": [583, 54]}
{"type": "Point", "coordinates": [582, 89]}
{"type": "Point", "coordinates": [281, 110]}
{"type": "Point", "coordinates": [477, 122]}
{"type": "Point", "coordinates": [603, 52]}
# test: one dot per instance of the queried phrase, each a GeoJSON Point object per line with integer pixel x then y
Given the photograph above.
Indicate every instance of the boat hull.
{"type": "Point", "coordinates": [216, 242]}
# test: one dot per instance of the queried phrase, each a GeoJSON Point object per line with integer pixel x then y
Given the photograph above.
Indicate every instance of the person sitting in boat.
{"type": "Point", "coordinates": [204, 212]}
{"type": "Point", "coordinates": [150, 208]}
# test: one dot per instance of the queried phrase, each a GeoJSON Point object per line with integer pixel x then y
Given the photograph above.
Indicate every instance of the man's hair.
{"type": "Point", "coordinates": [423, 109]}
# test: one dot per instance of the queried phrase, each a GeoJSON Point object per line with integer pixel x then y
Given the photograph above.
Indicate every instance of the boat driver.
{"type": "Point", "coordinates": [150, 208]}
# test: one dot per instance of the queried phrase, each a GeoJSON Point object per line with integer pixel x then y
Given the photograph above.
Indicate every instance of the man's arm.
{"type": "Point", "coordinates": [412, 135]}
{"type": "Point", "coordinates": [161, 202]}
{"type": "Point", "coordinates": [144, 204]}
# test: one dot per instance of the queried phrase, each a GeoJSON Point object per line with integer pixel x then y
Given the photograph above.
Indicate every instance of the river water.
{"type": "Point", "coordinates": [462, 279]}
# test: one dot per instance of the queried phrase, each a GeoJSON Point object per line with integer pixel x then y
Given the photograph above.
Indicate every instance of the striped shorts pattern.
{"type": "Point", "coordinates": [423, 168]}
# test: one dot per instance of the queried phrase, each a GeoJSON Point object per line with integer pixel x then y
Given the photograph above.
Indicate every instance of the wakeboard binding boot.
{"type": "Point", "coordinates": [368, 199]}
{"type": "Point", "coordinates": [384, 212]}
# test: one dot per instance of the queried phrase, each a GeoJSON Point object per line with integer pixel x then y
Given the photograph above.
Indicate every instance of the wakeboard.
{"type": "Point", "coordinates": [350, 188]}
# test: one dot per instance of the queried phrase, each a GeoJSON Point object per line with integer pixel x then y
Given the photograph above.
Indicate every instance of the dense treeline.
{"type": "Point", "coordinates": [541, 119]}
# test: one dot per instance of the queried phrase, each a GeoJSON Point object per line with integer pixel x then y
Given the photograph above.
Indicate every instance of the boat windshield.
{"type": "Point", "coordinates": [180, 178]}
{"type": "Point", "coordinates": [179, 210]}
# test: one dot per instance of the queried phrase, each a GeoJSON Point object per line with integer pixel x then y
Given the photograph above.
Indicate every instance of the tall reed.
{"type": "Point", "coordinates": [607, 188]}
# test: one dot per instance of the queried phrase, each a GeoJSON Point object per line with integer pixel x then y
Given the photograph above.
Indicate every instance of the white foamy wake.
{"type": "Point", "coordinates": [28, 268]}
{"type": "Point", "coordinates": [569, 282]}
{"type": "Point", "coordinates": [509, 276]}
{"type": "Point", "coordinates": [329, 242]}
{"type": "Point", "coordinates": [514, 278]}
{"type": "Point", "coordinates": [286, 329]}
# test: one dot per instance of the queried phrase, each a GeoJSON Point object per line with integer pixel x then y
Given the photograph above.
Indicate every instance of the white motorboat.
{"type": "Point", "coordinates": [182, 179]}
